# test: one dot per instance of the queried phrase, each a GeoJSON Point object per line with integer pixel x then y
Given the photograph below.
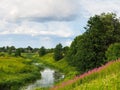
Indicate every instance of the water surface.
{"type": "Point", "coordinates": [48, 78]}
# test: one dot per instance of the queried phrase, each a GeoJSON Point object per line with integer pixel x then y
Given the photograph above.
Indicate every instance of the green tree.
{"type": "Point", "coordinates": [87, 51]}
{"type": "Point", "coordinates": [58, 52]}
{"type": "Point", "coordinates": [65, 50]}
{"type": "Point", "coordinates": [29, 49]}
{"type": "Point", "coordinates": [10, 50]}
{"type": "Point", "coordinates": [2, 49]}
{"type": "Point", "coordinates": [35, 50]}
{"type": "Point", "coordinates": [18, 52]}
{"type": "Point", "coordinates": [42, 51]}
{"type": "Point", "coordinates": [113, 52]}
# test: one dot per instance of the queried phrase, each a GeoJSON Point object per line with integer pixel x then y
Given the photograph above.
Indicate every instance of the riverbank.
{"type": "Point", "coordinates": [60, 65]}
{"type": "Point", "coordinates": [105, 77]}
{"type": "Point", "coordinates": [16, 72]}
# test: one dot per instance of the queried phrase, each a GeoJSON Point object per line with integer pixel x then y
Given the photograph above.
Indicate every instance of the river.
{"type": "Point", "coordinates": [48, 78]}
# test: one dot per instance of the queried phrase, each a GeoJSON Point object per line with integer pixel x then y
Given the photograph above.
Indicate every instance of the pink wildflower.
{"type": "Point", "coordinates": [83, 75]}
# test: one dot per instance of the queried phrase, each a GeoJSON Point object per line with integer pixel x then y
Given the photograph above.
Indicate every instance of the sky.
{"type": "Point", "coordinates": [46, 23]}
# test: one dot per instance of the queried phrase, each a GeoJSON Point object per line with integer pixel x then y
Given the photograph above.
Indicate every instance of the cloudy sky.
{"type": "Point", "coordinates": [46, 23]}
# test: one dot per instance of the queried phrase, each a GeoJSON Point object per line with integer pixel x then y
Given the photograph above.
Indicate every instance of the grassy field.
{"type": "Point", "coordinates": [16, 72]}
{"type": "Point", "coordinates": [106, 77]}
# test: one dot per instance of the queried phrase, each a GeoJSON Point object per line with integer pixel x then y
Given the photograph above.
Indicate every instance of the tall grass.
{"type": "Point", "coordinates": [105, 77]}
{"type": "Point", "coordinates": [15, 72]}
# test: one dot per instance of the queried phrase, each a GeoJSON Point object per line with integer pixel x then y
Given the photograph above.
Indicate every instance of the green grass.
{"type": "Point", "coordinates": [105, 78]}
{"type": "Point", "coordinates": [61, 65]}
{"type": "Point", "coordinates": [16, 72]}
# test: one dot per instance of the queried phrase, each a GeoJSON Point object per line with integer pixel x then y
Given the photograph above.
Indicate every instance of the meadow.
{"type": "Point", "coordinates": [16, 72]}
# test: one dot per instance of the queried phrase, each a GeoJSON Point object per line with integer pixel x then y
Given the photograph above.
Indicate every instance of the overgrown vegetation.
{"type": "Point", "coordinates": [16, 72]}
{"type": "Point", "coordinates": [113, 52]}
{"type": "Point", "coordinates": [103, 78]}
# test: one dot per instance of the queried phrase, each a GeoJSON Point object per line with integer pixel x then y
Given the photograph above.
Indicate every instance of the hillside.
{"type": "Point", "coordinates": [105, 77]}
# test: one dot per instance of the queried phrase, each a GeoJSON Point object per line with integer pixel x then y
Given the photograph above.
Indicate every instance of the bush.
{"type": "Point", "coordinates": [2, 54]}
{"type": "Point", "coordinates": [113, 52]}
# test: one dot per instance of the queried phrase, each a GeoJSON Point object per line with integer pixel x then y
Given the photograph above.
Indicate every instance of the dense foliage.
{"type": "Point", "coordinates": [42, 51]}
{"type": "Point", "coordinates": [58, 54]}
{"type": "Point", "coordinates": [113, 52]}
{"type": "Point", "coordinates": [88, 50]}
{"type": "Point", "coordinates": [65, 50]}
{"type": "Point", "coordinates": [18, 52]}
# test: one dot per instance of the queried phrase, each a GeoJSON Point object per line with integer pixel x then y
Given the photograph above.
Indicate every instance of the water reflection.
{"type": "Point", "coordinates": [57, 76]}
{"type": "Point", "coordinates": [48, 78]}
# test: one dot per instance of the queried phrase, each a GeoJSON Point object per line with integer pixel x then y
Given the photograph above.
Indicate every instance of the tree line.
{"type": "Point", "coordinates": [59, 51]}
{"type": "Point", "coordinates": [12, 50]}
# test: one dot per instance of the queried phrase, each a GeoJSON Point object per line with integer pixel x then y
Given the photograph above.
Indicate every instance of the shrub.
{"type": "Point", "coordinates": [113, 51]}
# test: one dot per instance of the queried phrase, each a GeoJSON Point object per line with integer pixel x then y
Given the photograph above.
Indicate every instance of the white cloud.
{"type": "Point", "coordinates": [92, 7]}
{"type": "Point", "coordinates": [50, 18]}
{"type": "Point", "coordinates": [27, 17]}
{"type": "Point", "coordinates": [33, 13]}
{"type": "Point", "coordinates": [60, 29]}
{"type": "Point", "coordinates": [37, 9]}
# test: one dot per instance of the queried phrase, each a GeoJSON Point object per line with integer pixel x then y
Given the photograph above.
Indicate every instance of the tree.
{"type": "Point", "coordinates": [65, 50]}
{"type": "Point", "coordinates": [2, 49]}
{"type": "Point", "coordinates": [58, 52]}
{"type": "Point", "coordinates": [10, 50]}
{"type": "Point", "coordinates": [113, 52]}
{"type": "Point", "coordinates": [42, 51]}
{"type": "Point", "coordinates": [87, 51]}
{"type": "Point", "coordinates": [35, 50]}
{"type": "Point", "coordinates": [29, 49]}
{"type": "Point", "coordinates": [18, 52]}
